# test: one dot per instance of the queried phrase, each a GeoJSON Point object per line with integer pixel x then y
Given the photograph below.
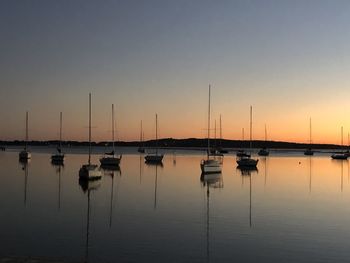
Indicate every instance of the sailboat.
{"type": "Point", "coordinates": [264, 151]}
{"type": "Point", "coordinates": [210, 165]}
{"type": "Point", "coordinates": [89, 171]}
{"type": "Point", "coordinates": [215, 151]}
{"type": "Point", "coordinates": [245, 161]}
{"type": "Point", "coordinates": [241, 152]}
{"type": "Point", "coordinates": [141, 148]}
{"type": "Point", "coordinates": [309, 151]}
{"type": "Point", "coordinates": [155, 157]}
{"type": "Point", "coordinates": [58, 158]}
{"type": "Point", "coordinates": [221, 150]}
{"type": "Point", "coordinates": [110, 159]}
{"type": "Point", "coordinates": [340, 155]}
{"type": "Point", "coordinates": [25, 155]}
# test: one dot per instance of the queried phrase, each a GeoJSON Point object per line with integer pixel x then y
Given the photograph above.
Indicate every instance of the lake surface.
{"type": "Point", "coordinates": [292, 209]}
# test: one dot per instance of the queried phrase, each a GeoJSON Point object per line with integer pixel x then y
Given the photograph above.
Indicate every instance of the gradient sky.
{"type": "Point", "coordinates": [289, 59]}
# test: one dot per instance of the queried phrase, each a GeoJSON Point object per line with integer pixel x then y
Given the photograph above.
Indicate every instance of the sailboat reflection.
{"type": "Point", "coordinates": [310, 174]}
{"type": "Point", "coordinates": [248, 173]}
{"type": "Point", "coordinates": [87, 187]}
{"type": "Point", "coordinates": [58, 168]}
{"type": "Point", "coordinates": [112, 171]}
{"type": "Point", "coordinates": [156, 185]}
{"type": "Point", "coordinates": [265, 162]}
{"type": "Point", "coordinates": [213, 180]}
{"type": "Point", "coordinates": [25, 165]}
{"type": "Point", "coordinates": [341, 163]}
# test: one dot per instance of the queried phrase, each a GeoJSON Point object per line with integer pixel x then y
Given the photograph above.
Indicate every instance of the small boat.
{"type": "Point", "coordinates": [340, 155]}
{"type": "Point", "coordinates": [58, 158]}
{"type": "Point", "coordinates": [210, 165]}
{"type": "Point", "coordinates": [155, 157]}
{"type": "Point", "coordinates": [248, 161]}
{"type": "Point", "coordinates": [309, 151]}
{"type": "Point", "coordinates": [25, 155]}
{"type": "Point", "coordinates": [89, 171]}
{"type": "Point", "coordinates": [141, 148]}
{"type": "Point", "coordinates": [220, 149]}
{"type": "Point", "coordinates": [242, 153]}
{"type": "Point", "coordinates": [110, 159]}
{"type": "Point", "coordinates": [264, 151]}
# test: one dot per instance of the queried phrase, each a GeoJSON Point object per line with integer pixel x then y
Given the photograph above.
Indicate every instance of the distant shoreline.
{"type": "Point", "coordinates": [190, 144]}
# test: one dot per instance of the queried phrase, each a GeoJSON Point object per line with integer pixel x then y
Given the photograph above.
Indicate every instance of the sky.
{"type": "Point", "coordinates": [290, 60]}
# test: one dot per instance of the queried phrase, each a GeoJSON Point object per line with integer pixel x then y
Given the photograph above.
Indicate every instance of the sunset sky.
{"type": "Point", "coordinates": [290, 60]}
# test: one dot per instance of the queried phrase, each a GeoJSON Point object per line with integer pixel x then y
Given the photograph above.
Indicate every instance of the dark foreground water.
{"type": "Point", "coordinates": [293, 209]}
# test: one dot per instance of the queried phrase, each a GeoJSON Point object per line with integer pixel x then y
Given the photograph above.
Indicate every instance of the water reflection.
{"type": "Point", "coordinates": [112, 172]}
{"type": "Point", "coordinates": [58, 169]}
{"type": "Point", "coordinates": [88, 186]}
{"type": "Point", "coordinates": [213, 180]}
{"type": "Point", "coordinates": [25, 166]}
{"type": "Point", "coordinates": [248, 172]}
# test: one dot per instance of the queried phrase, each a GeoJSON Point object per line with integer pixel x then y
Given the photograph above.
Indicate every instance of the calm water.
{"type": "Point", "coordinates": [293, 209]}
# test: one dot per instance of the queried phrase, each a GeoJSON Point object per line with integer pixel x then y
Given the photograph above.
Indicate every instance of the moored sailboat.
{"type": "Point", "coordinates": [309, 151]}
{"type": "Point", "coordinates": [264, 151]}
{"type": "Point", "coordinates": [155, 157]}
{"type": "Point", "coordinates": [25, 155]}
{"type": "Point", "coordinates": [58, 158]}
{"type": "Point", "coordinates": [209, 165]}
{"type": "Point", "coordinates": [340, 155]}
{"type": "Point", "coordinates": [89, 171]}
{"type": "Point", "coordinates": [110, 159]}
{"type": "Point", "coordinates": [246, 161]}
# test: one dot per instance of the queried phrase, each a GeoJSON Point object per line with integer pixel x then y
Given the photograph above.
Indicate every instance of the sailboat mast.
{"type": "Point", "coordinates": [141, 134]}
{"type": "Point", "coordinates": [157, 134]}
{"type": "Point", "coordinates": [220, 132]}
{"type": "Point", "coordinates": [341, 135]}
{"type": "Point", "coordinates": [251, 126]}
{"type": "Point", "coordinates": [215, 133]}
{"type": "Point", "coordinates": [209, 125]}
{"type": "Point", "coordinates": [113, 127]}
{"type": "Point", "coordinates": [26, 143]}
{"type": "Point", "coordinates": [60, 130]}
{"type": "Point", "coordinates": [89, 128]}
{"type": "Point", "coordinates": [310, 132]}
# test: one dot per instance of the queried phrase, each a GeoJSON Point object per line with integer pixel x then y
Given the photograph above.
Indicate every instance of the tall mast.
{"type": "Point", "coordinates": [26, 143]}
{"type": "Point", "coordinates": [141, 134]}
{"type": "Point", "coordinates": [310, 132]}
{"type": "Point", "coordinates": [341, 135]}
{"type": "Point", "coordinates": [251, 126]}
{"type": "Point", "coordinates": [215, 133]}
{"type": "Point", "coordinates": [209, 124]}
{"type": "Point", "coordinates": [265, 134]}
{"type": "Point", "coordinates": [157, 134]}
{"type": "Point", "coordinates": [60, 130]}
{"type": "Point", "coordinates": [89, 128]}
{"type": "Point", "coordinates": [220, 132]}
{"type": "Point", "coordinates": [113, 127]}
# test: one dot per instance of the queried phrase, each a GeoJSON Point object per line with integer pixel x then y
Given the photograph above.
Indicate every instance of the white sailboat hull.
{"type": "Point", "coordinates": [210, 166]}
